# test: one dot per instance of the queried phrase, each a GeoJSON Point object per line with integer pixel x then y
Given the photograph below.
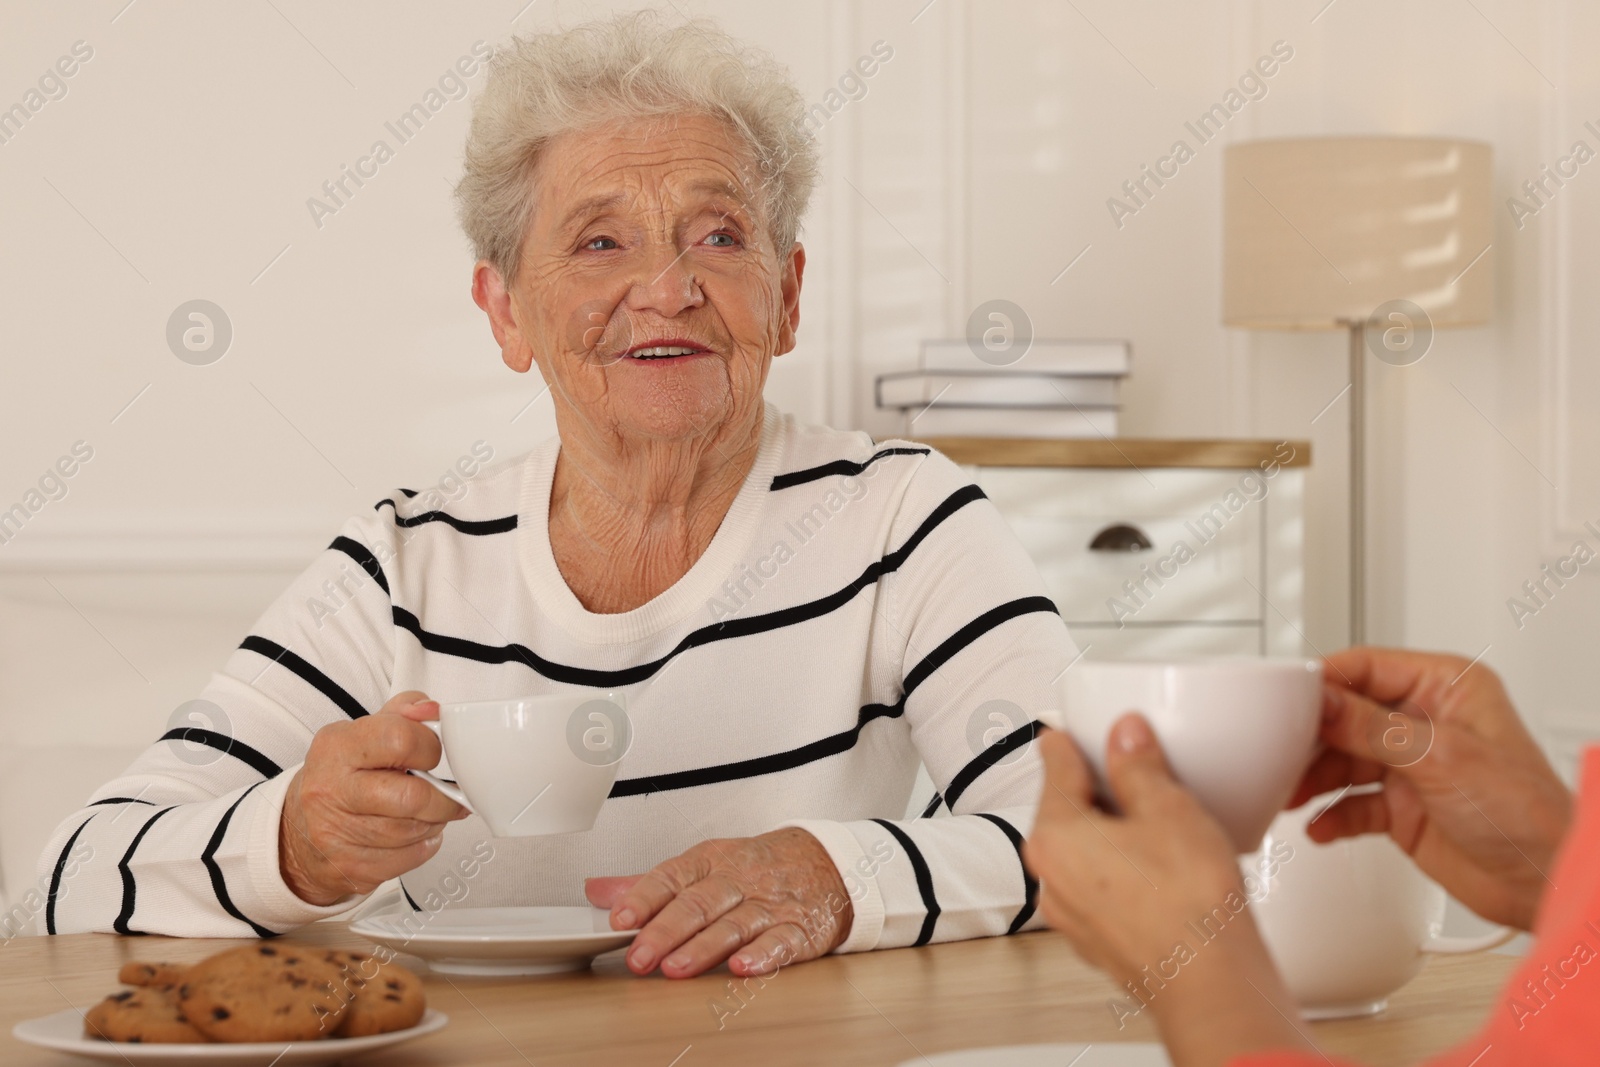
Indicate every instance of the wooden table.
{"type": "Point", "coordinates": [874, 1008]}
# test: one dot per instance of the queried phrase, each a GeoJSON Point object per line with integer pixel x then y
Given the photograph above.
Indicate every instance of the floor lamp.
{"type": "Point", "coordinates": [1387, 238]}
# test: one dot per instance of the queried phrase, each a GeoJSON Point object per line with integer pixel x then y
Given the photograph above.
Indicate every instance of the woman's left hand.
{"type": "Point", "coordinates": [766, 901]}
{"type": "Point", "coordinates": [1155, 897]}
{"type": "Point", "coordinates": [1124, 888]}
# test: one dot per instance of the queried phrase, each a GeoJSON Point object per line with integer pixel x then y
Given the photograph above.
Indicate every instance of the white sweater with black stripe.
{"type": "Point", "coordinates": [861, 608]}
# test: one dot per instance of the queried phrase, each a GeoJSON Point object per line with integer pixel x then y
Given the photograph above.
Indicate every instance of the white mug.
{"type": "Point", "coordinates": [1237, 732]}
{"type": "Point", "coordinates": [533, 765]}
{"type": "Point", "coordinates": [1349, 922]}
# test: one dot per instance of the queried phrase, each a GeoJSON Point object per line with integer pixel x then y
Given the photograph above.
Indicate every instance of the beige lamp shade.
{"type": "Point", "coordinates": [1319, 232]}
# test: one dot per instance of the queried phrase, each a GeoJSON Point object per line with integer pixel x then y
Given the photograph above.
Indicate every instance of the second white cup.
{"type": "Point", "coordinates": [1349, 922]}
{"type": "Point", "coordinates": [535, 765]}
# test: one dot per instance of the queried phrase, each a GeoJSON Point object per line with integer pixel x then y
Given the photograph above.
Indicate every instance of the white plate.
{"type": "Point", "coordinates": [63, 1031]}
{"type": "Point", "coordinates": [497, 941]}
{"type": "Point", "coordinates": [1103, 1054]}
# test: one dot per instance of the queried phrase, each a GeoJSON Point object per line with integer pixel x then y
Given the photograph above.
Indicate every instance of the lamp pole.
{"type": "Point", "coordinates": [1358, 480]}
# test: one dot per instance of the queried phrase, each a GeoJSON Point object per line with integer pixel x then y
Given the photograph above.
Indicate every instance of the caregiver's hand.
{"type": "Point", "coordinates": [1480, 811]}
{"type": "Point", "coordinates": [1131, 893]}
{"type": "Point", "coordinates": [352, 818]}
{"type": "Point", "coordinates": [775, 899]}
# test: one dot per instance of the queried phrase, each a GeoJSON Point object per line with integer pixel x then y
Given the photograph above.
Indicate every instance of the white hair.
{"type": "Point", "coordinates": [630, 66]}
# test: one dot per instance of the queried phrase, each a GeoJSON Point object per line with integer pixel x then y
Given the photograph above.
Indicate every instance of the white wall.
{"type": "Point", "coordinates": [1485, 455]}
{"type": "Point", "coordinates": [976, 166]}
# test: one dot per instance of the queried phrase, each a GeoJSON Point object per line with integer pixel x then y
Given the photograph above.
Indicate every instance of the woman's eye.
{"type": "Point", "coordinates": [721, 240]}
{"type": "Point", "coordinates": [601, 244]}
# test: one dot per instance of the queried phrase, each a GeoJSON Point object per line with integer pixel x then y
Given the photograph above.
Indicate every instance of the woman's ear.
{"type": "Point", "coordinates": [794, 270]}
{"type": "Point", "coordinates": [490, 293]}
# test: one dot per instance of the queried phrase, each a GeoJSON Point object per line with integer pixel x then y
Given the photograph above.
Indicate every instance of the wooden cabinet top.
{"type": "Point", "coordinates": [1129, 453]}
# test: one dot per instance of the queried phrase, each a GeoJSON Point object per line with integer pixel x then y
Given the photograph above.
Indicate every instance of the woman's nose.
{"type": "Point", "coordinates": [665, 282]}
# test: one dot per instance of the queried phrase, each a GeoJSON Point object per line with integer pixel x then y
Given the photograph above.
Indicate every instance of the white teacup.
{"type": "Point", "coordinates": [1237, 732]}
{"type": "Point", "coordinates": [533, 765]}
{"type": "Point", "coordinates": [1349, 922]}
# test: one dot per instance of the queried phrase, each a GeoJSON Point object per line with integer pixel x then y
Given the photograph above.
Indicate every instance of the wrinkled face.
{"type": "Point", "coordinates": [649, 292]}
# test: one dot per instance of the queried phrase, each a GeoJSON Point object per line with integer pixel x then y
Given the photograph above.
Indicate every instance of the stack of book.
{"type": "Point", "coordinates": [1057, 389]}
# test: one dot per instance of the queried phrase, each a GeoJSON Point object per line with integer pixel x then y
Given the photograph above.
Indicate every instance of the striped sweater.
{"type": "Point", "coordinates": [861, 609]}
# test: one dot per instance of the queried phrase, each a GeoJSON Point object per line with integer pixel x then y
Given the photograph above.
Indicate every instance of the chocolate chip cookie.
{"type": "Point", "coordinates": [379, 997]}
{"type": "Point", "coordinates": [271, 992]}
{"type": "Point", "coordinates": [146, 1016]}
{"type": "Point", "coordinates": [156, 975]}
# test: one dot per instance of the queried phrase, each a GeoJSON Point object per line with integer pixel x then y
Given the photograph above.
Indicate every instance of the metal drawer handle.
{"type": "Point", "coordinates": [1120, 537]}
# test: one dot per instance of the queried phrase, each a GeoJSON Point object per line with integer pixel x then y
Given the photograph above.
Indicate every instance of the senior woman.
{"type": "Point", "coordinates": [796, 615]}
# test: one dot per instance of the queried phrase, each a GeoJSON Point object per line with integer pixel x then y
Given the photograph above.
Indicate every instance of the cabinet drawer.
{"type": "Point", "coordinates": [1220, 540]}
{"type": "Point", "coordinates": [1178, 579]}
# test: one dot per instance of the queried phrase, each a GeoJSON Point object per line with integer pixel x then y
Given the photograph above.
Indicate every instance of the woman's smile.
{"type": "Point", "coordinates": [666, 353]}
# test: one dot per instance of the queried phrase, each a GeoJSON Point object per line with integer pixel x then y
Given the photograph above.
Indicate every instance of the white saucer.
{"type": "Point", "coordinates": [497, 941]}
{"type": "Point", "coordinates": [1103, 1054]}
{"type": "Point", "coordinates": [63, 1032]}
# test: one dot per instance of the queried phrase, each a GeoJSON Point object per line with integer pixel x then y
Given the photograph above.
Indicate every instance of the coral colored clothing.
{"type": "Point", "coordinates": [1549, 1013]}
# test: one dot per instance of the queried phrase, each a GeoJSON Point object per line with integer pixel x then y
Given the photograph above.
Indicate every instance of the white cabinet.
{"type": "Point", "coordinates": [1222, 573]}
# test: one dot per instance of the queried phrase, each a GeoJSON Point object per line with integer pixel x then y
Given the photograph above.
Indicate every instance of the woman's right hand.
{"type": "Point", "coordinates": [353, 818]}
{"type": "Point", "coordinates": [1467, 792]}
